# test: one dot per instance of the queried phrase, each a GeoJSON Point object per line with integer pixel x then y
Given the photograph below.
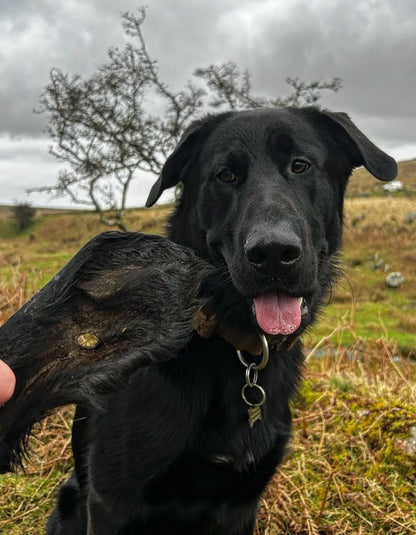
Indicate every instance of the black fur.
{"type": "Point", "coordinates": [111, 289]}
{"type": "Point", "coordinates": [173, 452]}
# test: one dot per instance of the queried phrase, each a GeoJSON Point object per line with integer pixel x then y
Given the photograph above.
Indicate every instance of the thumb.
{"type": "Point", "coordinates": [7, 382]}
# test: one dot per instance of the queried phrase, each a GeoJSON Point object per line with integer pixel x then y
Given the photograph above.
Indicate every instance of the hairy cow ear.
{"type": "Point", "coordinates": [176, 164]}
{"type": "Point", "coordinates": [377, 162]}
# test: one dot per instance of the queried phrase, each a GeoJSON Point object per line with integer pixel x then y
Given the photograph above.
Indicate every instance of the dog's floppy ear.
{"type": "Point", "coordinates": [175, 165]}
{"type": "Point", "coordinates": [377, 162]}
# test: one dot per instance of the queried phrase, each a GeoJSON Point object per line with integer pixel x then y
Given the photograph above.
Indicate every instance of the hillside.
{"type": "Point", "coordinates": [351, 466]}
{"type": "Point", "coordinates": [363, 184]}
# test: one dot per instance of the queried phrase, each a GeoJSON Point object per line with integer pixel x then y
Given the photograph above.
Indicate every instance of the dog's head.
{"type": "Point", "coordinates": [263, 195]}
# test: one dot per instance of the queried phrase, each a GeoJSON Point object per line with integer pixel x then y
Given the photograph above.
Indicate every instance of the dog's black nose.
{"type": "Point", "coordinates": [274, 250]}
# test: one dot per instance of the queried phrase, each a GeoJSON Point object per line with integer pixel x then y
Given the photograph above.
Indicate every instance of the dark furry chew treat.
{"type": "Point", "coordinates": [124, 300]}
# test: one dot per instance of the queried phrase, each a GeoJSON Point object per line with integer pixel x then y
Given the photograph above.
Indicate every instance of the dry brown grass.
{"type": "Point", "coordinates": [29, 496]}
{"type": "Point", "coordinates": [350, 469]}
{"type": "Point", "coordinates": [72, 232]}
{"type": "Point", "coordinates": [15, 291]}
{"type": "Point", "coordinates": [362, 183]}
{"type": "Point", "coordinates": [383, 232]}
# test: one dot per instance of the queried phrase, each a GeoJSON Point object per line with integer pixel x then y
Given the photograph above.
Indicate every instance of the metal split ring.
{"type": "Point", "coordinates": [251, 375]}
{"type": "Point", "coordinates": [265, 355]}
{"type": "Point", "coordinates": [260, 389]}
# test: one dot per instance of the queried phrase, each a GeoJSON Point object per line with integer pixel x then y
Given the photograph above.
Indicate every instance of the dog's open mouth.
{"type": "Point", "coordinates": [278, 313]}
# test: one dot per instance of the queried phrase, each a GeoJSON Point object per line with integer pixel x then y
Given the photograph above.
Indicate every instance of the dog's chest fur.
{"type": "Point", "coordinates": [222, 450]}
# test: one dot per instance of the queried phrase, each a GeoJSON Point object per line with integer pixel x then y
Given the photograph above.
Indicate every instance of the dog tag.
{"type": "Point", "coordinates": [254, 414]}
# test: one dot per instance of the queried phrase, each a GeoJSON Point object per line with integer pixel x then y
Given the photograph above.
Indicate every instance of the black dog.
{"type": "Point", "coordinates": [183, 449]}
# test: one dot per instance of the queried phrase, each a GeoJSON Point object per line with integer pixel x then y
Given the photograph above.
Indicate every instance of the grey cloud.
{"type": "Point", "coordinates": [368, 43]}
{"type": "Point", "coordinates": [36, 36]}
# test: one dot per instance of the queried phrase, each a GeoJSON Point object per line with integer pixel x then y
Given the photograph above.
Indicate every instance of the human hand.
{"type": "Point", "coordinates": [7, 382]}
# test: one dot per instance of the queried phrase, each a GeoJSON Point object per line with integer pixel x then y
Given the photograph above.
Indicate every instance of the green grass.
{"type": "Point", "coordinates": [27, 502]}
{"type": "Point", "coordinates": [369, 321]}
{"type": "Point", "coordinates": [348, 470]}
{"type": "Point", "coordinates": [361, 298]}
{"type": "Point", "coordinates": [26, 515]}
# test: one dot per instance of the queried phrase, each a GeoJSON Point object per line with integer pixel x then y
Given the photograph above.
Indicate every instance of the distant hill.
{"type": "Point", "coordinates": [362, 183]}
{"type": "Point", "coordinates": [6, 211]}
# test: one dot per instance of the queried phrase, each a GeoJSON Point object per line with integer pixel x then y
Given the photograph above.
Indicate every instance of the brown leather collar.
{"type": "Point", "coordinates": [206, 323]}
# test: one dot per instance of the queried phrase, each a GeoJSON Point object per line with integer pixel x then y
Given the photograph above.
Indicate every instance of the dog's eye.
{"type": "Point", "coordinates": [300, 166]}
{"type": "Point", "coordinates": [226, 175]}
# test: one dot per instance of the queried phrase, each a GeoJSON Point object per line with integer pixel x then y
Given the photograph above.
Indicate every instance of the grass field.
{"type": "Point", "coordinates": [352, 464]}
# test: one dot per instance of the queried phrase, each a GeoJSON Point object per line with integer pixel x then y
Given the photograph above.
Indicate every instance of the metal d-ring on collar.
{"type": "Point", "coordinates": [265, 355]}
{"type": "Point", "coordinates": [251, 376]}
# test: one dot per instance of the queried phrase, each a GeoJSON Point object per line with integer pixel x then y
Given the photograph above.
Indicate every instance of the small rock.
{"type": "Point", "coordinates": [394, 280]}
{"type": "Point", "coordinates": [357, 219]}
{"type": "Point", "coordinates": [378, 262]}
{"type": "Point", "coordinates": [393, 187]}
{"type": "Point", "coordinates": [410, 217]}
{"type": "Point", "coordinates": [409, 444]}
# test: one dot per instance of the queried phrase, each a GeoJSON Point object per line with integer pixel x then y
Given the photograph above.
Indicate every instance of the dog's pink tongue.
{"type": "Point", "coordinates": [277, 313]}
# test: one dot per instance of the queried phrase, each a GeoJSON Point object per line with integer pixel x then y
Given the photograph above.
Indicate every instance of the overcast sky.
{"type": "Point", "coordinates": [369, 44]}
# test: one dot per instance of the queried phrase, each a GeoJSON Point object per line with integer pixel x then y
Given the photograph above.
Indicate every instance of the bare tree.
{"type": "Point", "coordinates": [230, 88]}
{"type": "Point", "coordinates": [105, 131]}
